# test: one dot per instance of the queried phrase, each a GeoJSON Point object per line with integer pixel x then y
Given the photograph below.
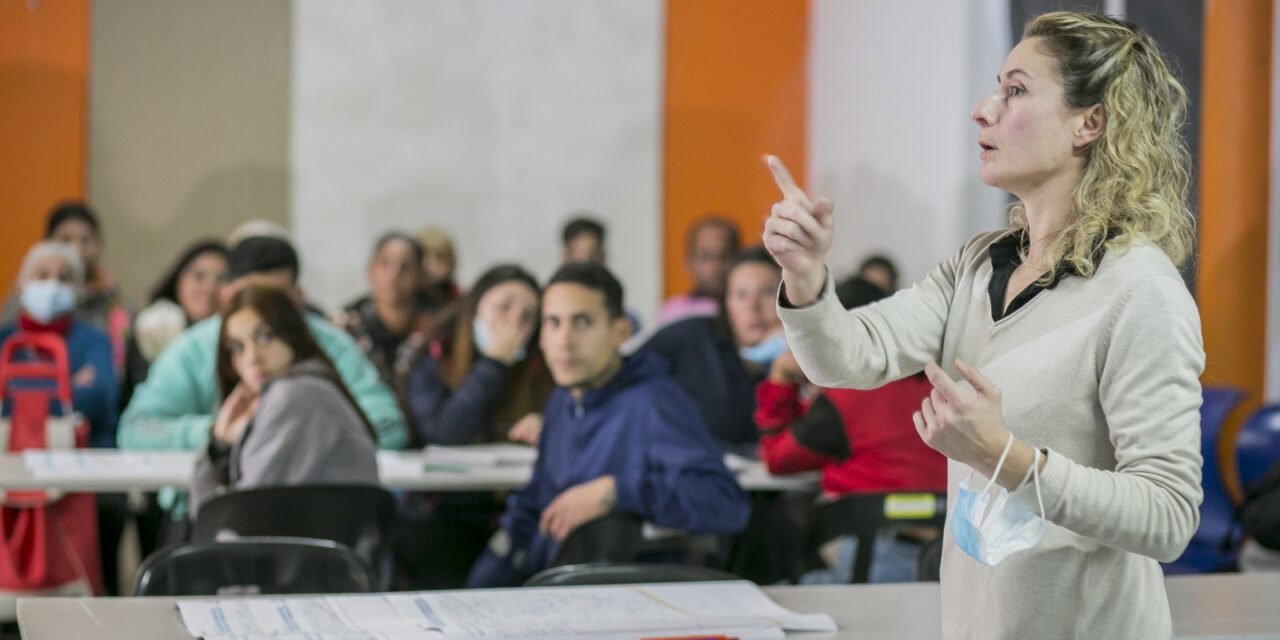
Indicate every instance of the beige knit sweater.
{"type": "Point", "coordinates": [1103, 373]}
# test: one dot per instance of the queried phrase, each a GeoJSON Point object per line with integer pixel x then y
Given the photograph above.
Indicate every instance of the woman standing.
{"type": "Point", "coordinates": [1073, 328]}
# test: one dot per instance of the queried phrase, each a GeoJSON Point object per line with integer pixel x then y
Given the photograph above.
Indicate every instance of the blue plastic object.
{"type": "Point", "coordinates": [1214, 545]}
{"type": "Point", "coordinates": [1258, 446]}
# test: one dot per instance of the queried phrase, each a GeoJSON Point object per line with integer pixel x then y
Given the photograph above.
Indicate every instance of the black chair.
{"type": "Point", "coordinates": [253, 566]}
{"type": "Point", "coordinates": [623, 537]}
{"type": "Point", "coordinates": [929, 568]}
{"type": "Point", "coordinates": [358, 517]}
{"type": "Point", "coordinates": [866, 514]}
{"type": "Point", "coordinates": [578, 575]}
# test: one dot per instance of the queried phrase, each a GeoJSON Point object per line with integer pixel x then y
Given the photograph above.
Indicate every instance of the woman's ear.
{"type": "Point", "coordinates": [1093, 122]}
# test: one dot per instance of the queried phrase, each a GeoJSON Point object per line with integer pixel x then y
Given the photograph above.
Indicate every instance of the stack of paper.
{"type": "Point", "coordinates": [109, 463]}
{"type": "Point", "coordinates": [737, 609]}
{"type": "Point", "coordinates": [480, 455]}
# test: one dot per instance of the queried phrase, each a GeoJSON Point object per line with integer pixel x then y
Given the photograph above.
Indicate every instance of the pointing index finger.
{"type": "Point", "coordinates": [786, 183]}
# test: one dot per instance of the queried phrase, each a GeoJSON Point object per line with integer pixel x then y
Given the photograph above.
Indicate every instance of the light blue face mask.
{"type": "Point", "coordinates": [766, 351]}
{"type": "Point", "coordinates": [481, 335]}
{"type": "Point", "coordinates": [991, 535]}
{"type": "Point", "coordinates": [46, 300]}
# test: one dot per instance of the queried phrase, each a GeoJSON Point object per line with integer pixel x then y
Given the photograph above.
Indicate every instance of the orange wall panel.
{"type": "Point", "coordinates": [1231, 278]}
{"type": "Point", "coordinates": [43, 113]}
{"type": "Point", "coordinates": [736, 88]}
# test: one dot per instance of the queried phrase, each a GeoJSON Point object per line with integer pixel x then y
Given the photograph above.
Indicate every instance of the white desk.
{"type": "Point", "coordinates": [1204, 607]}
{"type": "Point", "coordinates": [399, 470]}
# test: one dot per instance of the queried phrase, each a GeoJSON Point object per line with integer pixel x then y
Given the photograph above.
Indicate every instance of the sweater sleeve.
{"type": "Point", "coordinates": [169, 410]}
{"type": "Point", "coordinates": [778, 413]}
{"type": "Point", "coordinates": [451, 417]}
{"type": "Point", "coordinates": [684, 484]}
{"type": "Point", "coordinates": [1150, 393]}
{"type": "Point", "coordinates": [375, 398]}
{"type": "Point", "coordinates": [870, 346]}
{"type": "Point", "coordinates": [99, 400]}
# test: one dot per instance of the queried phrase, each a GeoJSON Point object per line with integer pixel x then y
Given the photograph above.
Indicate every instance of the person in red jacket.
{"type": "Point", "coordinates": [862, 441]}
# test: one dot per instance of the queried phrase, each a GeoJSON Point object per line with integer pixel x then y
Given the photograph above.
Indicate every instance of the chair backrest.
{"type": "Point", "coordinates": [1217, 511]}
{"type": "Point", "coordinates": [613, 537]}
{"type": "Point", "coordinates": [1258, 445]}
{"type": "Point", "coordinates": [610, 573]}
{"type": "Point", "coordinates": [863, 515]}
{"type": "Point", "coordinates": [358, 517]}
{"type": "Point", "coordinates": [250, 566]}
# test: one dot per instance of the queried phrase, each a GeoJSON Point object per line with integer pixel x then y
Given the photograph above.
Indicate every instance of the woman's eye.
{"type": "Point", "coordinates": [265, 338]}
{"type": "Point", "coordinates": [1016, 91]}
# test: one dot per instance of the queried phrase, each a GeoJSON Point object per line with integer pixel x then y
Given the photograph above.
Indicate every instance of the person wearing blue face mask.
{"type": "Point", "coordinates": [478, 378]}
{"type": "Point", "coordinates": [48, 287]}
{"type": "Point", "coordinates": [719, 360]}
{"type": "Point", "coordinates": [48, 283]}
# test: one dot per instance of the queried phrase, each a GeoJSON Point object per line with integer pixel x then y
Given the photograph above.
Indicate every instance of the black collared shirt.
{"type": "Point", "coordinates": [1006, 255]}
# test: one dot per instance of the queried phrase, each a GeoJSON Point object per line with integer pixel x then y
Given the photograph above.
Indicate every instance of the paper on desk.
{"type": "Point", "coordinates": [481, 455]}
{"type": "Point", "coordinates": [735, 608]}
{"type": "Point", "coordinates": [108, 463]}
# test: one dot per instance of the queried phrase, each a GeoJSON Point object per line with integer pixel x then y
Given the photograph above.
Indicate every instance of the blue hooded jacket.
{"type": "Point", "coordinates": [644, 429]}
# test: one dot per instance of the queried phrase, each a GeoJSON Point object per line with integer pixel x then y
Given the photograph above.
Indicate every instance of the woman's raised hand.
{"type": "Point", "coordinates": [798, 234]}
{"type": "Point", "coordinates": [236, 412]}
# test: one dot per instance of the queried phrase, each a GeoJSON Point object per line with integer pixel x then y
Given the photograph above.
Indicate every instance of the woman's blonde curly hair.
{"type": "Point", "coordinates": [1136, 179]}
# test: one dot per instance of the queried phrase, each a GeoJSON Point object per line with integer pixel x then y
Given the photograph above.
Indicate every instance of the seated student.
{"type": "Point", "coordinates": [480, 375]}
{"type": "Point", "coordinates": [880, 271]}
{"type": "Point", "coordinates": [174, 408]}
{"type": "Point", "coordinates": [582, 241]}
{"type": "Point", "coordinates": [439, 261]}
{"type": "Point", "coordinates": [620, 435]}
{"type": "Point", "coordinates": [99, 303]}
{"type": "Point", "coordinates": [187, 294]}
{"type": "Point", "coordinates": [389, 324]}
{"type": "Point", "coordinates": [862, 441]}
{"type": "Point", "coordinates": [286, 417]}
{"type": "Point", "coordinates": [710, 244]}
{"type": "Point", "coordinates": [720, 360]}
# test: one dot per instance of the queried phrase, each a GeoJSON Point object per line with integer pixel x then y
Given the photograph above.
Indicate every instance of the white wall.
{"type": "Point", "coordinates": [890, 141]}
{"type": "Point", "coordinates": [493, 119]}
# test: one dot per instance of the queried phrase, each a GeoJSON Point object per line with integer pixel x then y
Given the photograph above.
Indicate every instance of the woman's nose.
{"type": "Point", "coordinates": [984, 113]}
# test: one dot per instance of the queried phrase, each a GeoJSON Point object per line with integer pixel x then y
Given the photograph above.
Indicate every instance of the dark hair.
{"type": "Point", "coordinates": [450, 335]}
{"type": "Point", "coordinates": [454, 322]}
{"type": "Point", "coordinates": [167, 288]}
{"type": "Point", "coordinates": [883, 262]}
{"type": "Point", "coordinates": [580, 225]}
{"type": "Point", "coordinates": [713, 221]}
{"type": "Point", "coordinates": [751, 255]}
{"type": "Point", "coordinates": [857, 291]}
{"type": "Point", "coordinates": [282, 313]}
{"type": "Point", "coordinates": [592, 276]}
{"type": "Point", "coordinates": [258, 254]}
{"type": "Point", "coordinates": [393, 236]}
{"type": "Point", "coordinates": [72, 211]}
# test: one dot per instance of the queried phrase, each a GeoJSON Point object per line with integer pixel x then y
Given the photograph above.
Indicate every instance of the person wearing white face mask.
{"type": "Point", "coordinates": [1078, 339]}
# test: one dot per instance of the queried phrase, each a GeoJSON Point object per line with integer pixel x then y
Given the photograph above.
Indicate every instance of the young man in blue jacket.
{"type": "Point", "coordinates": [618, 435]}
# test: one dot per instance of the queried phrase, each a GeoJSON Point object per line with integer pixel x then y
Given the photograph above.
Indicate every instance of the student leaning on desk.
{"type": "Point", "coordinates": [1082, 344]}
{"type": "Point", "coordinates": [619, 434]}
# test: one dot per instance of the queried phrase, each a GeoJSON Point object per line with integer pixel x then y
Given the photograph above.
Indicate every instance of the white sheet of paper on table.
{"type": "Point", "coordinates": [88, 463]}
{"type": "Point", "coordinates": [481, 455]}
{"type": "Point", "coordinates": [734, 608]}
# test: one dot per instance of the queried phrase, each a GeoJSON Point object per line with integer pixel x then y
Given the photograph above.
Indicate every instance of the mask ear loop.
{"type": "Point", "coordinates": [1035, 475]}
{"type": "Point", "coordinates": [999, 463]}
